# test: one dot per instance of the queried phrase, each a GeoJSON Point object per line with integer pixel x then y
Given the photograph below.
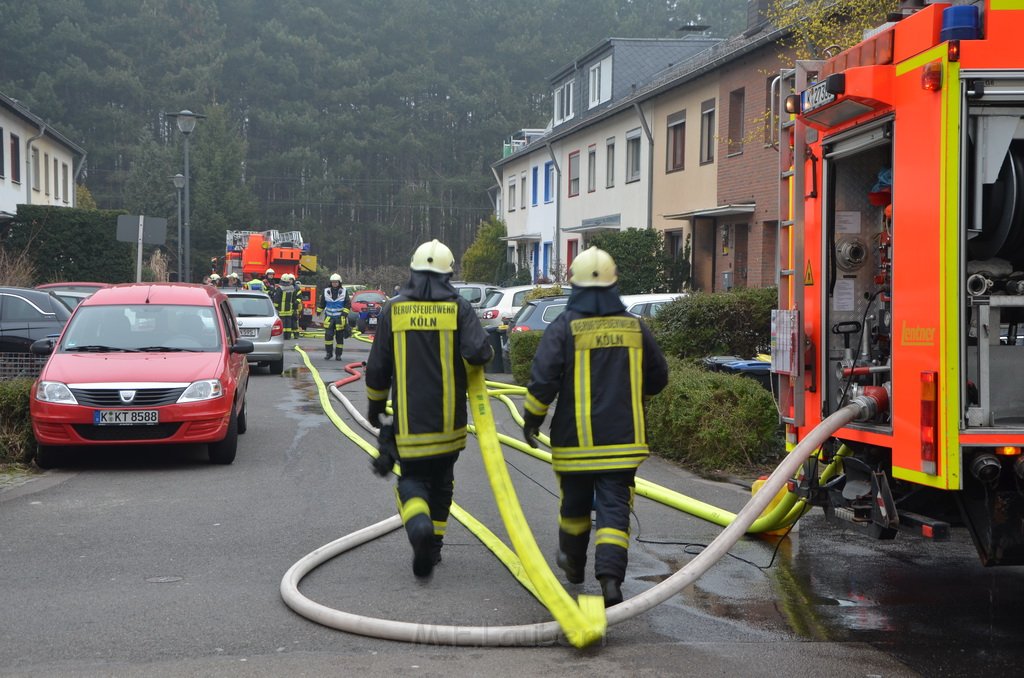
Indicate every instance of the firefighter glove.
{"type": "Point", "coordinates": [531, 427]}
{"type": "Point", "coordinates": [374, 410]}
{"type": "Point", "coordinates": [387, 451]}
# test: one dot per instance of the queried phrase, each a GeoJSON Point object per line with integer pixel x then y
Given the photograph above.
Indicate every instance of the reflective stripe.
{"type": "Point", "coordinates": [440, 528]}
{"type": "Point", "coordinates": [409, 452]}
{"type": "Point", "coordinates": [596, 465]}
{"type": "Point", "coordinates": [374, 394]}
{"type": "Point", "coordinates": [447, 380]}
{"type": "Point", "coordinates": [601, 451]}
{"type": "Point", "coordinates": [584, 430]}
{"type": "Point", "coordinates": [402, 407]}
{"type": "Point", "coordinates": [534, 406]}
{"type": "Point", "coordinates": [409, 316]}
{"type": "Point", "coordinates": [413, 508]}
{"type": "Point", "coordinates": [574, 526]}
{"type": "Point", "coordinates": [636, 357]}
{"type": "Point", "coordinates": [425, 438]}
{"type": "Point", "coordinates": [609, 535]}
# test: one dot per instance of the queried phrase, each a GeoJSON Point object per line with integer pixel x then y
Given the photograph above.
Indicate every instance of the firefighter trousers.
{"type": "Point", "coordinates": [289, 324]}
{"type": "Point", "coordinates": [425, 490]}
{"type": "Point", "coordinates": [611, 495]}
{"type": "Point", "coordinates": [334, 335]}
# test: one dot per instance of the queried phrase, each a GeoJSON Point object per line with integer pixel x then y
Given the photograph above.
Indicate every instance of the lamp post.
{"type": "Point", "coordinates": [186, 120]}
{"type": "Point", "coordinates": [179, 183]}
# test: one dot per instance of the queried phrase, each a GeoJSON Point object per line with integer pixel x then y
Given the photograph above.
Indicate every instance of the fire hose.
{"type": "Point", "coordinates": [581, 628]}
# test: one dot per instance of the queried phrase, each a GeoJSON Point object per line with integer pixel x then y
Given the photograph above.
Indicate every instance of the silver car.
{"type": "Point", "coordinates": [259, 323]}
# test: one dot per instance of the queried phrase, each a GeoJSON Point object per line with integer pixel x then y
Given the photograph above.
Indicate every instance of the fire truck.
{"type": "Point", "coordinates": [901, 272]}
{"type": "Point", "coordinates": [252, 252]}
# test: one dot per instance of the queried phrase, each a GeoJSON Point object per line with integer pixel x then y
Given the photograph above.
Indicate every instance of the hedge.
{"type": "Point", "coordinates": [17, 444]}
{"type": "Point", "coordinates": [724, 323]}
{"type": "Point", "coordinates": [522, 347]}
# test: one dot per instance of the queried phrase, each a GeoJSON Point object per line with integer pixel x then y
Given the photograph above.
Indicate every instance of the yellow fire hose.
{"type": "Point", "coordinates": [582, 623]}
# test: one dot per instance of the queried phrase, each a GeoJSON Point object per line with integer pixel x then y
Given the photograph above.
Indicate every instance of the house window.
{"type": "Point", "coordinates": [769, 118]}
{"type": "Point", "coordinates": [533, 188]}
{"type": "Point", "coordinates": [46, 173]}
{"type": "Point", "coordinates": [595, 84]}
{"type": "Point", "coordinates": [549, 181]}
{"type": "Point", "coordinates": [15, 159]}
{"type": "Point", "coordinates": [574, 173]}
{"type": "Point", "coordinates": [512, 196]}
{"type": "Point", "coordinates": [564, 109]}
{"type": "Point", "coordinates": [35, 169]}
{"type": "Point", "coordinates": [707, 132]}
{"type": "Point", "coordinates": [676, 142]}
{"type": "Point", "coordinates": [56, 183]}
{"type": "Point", "coordinates": [592, 169]}
{"type": "Point", "coordinates": [64, 181]}
{"type": "Point", "coordinates": [736, 131]}
{"type": "Point", "coordinates": [609, 163]}
{"type": "Point", "coordinates": [522, 191]}
{"type": "Point", "coordinates": [633, 155]}
{"type": "Point", "coordinates": [2, 153]}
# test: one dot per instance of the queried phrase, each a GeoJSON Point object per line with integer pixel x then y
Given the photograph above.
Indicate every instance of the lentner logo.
{"type": "Point", "coordinates": [916, 336]}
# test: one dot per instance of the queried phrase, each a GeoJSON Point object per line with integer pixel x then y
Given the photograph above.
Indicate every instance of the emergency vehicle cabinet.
{"type": "Point", "coordinates": [901, 267]}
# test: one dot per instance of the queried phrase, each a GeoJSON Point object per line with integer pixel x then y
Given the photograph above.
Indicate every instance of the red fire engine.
{"type": "Point", "coordinates": [902, 268]}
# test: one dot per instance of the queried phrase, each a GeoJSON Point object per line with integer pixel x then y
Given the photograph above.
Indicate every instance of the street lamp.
{"type": "Point", "coordinates": [179, 183]}
{"type": "Point", "coordinates": [186, 123]}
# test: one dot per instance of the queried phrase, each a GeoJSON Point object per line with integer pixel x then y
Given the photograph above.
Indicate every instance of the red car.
{"type": "Point", "coordinates": [144, 364]}
{"type": "Point", "coordinates": [366, 305]}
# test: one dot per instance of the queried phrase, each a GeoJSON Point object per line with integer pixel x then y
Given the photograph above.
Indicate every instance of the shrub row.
{"type": "Point", "coordinates": [724, 323]}
{"type": "Point", "coordinates": [17, 444]}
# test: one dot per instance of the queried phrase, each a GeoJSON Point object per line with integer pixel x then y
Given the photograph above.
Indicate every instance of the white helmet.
{"type": "Point", "coordinates": [336, 277]}
{"type": "Point", "coordinates": [270, 271]}
{"type": "Point", "coordinates": [286, 277]}
{"type": "Point", "coordinates": [593, 268]}
{"type": "Point", "coordinates": [214, 277]}
{"type": "Point", "coordinates": [433, 256]}
{"type": "Point", "coordinates": [232, 275]}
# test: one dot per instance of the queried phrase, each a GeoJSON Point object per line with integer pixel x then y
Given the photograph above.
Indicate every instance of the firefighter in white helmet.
{"type": "Point", "coordinates": [215, 280]}
{"type": "Point", "coordinates": [288, 304]}
{"type": "Point", "coordinates": [334, 304]}
{"type": "Point", "coordinates": [423, 335]}
{"type": "Point", "coordinates": [600, 362]}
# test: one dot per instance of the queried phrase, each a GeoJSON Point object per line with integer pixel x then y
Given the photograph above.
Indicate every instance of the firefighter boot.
{"type": "Point", "coordinates": [421, 535]}
{"type": "Point", "coordinates": [572, 568]}
{"type": "Point", "coordinates": [611, 589]}
{"type": "Point", "coordinates": [337, 353]}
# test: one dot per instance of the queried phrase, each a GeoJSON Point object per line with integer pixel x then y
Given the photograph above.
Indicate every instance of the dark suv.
{"type": "Point", "coordinates": [534, 316]}
{"type": "Point", "coordinates": [27, 315]}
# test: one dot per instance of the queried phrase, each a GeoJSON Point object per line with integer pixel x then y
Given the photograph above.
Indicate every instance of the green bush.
{"type": "Point", "coordinates": [713, 422]}
{"type": "Point", "coordinates": [17, 444]}
{"type": "Point", "coordinates": [522, 346]}
{"type": "Point", "coordinates": [539, 292]}
{"type": "Point", "coordinates": [724, 323]}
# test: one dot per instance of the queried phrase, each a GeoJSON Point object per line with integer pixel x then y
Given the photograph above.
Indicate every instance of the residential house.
{"type": "Point", "coordinates": [38, 164]}
{"type": "Point", "coordinates": [591, 169]}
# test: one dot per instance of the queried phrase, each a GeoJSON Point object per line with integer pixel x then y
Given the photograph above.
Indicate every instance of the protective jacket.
{"type": "Point", "coordinates": [601, 363]}
{"type": "Point", "coordinates": [332, 302]}
{"type": "Point", "coordinates": [423, 335]}
{"type": "Point", "coordinates": [287, 303]}
{"type": "Point", "coordinates": [256, 285]}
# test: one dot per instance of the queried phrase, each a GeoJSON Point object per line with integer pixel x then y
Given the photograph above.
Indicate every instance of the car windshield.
{"type": "Point", "coordinates": [470, 294]}
{"type": "Point", "coordinates": [493, 299]}
{"type": "Point", "coordinates": [370, 297]}
{"type": "Point", "coordinates": [251, 306]}
{"type": "Point", "coordinates": [157, 328]}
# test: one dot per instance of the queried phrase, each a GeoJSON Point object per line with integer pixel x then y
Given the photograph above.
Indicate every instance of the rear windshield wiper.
{"type": "Point", "coordinates": [167, 349]}
{"type": "Point", "coordinates": [98, 348]}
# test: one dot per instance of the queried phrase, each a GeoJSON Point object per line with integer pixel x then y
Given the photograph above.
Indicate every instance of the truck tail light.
{"type": "Point", "coordinates": [929, 422]}
{"type": "Point", "coordinates": [931, 76]}
{"type": "Point", "coordinates": [277, 329]}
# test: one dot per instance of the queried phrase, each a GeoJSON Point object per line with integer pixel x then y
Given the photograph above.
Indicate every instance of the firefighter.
{"type": "Point", "coordinates": [600, 362]}
{"type": "Point", "coordinates": [214, 280]}
{"type": "Point", "coordinates": [233, 282]}
{"type": "Point", "coordinates": [255, 284]}
{"type": "Point", "coordinates": [423, 335]}
{"type": "Point", "coordinates": [287, 304]}
{"type": "Point", "coordinates": [334, 304]}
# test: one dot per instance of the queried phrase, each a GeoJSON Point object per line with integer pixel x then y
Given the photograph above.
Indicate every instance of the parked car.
{"type": "Point", "coordinates": [366, 305]}
{"type": "Point", "coordinates": [474, 293]}
{"type": "Point", "coordinates": [87, 287]}
{"type": "Point", "coordinates": [152, 364]}
{"type": "Point", "coordinates": [258, 322]}
{"type": "Point", "coordinates": [534, 316]}
{"type": "Point", "coordinates": [27, 315]}
{"type": "Point", "coordinates": [71, 299]}
{"type": "Point", "coordinates": [648, 305]}
{"type": "Point", "coordinates": [502, 304]}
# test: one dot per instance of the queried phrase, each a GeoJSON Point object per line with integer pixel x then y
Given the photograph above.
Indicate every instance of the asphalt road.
{"type": "Point", "coordinates": [151, 562]}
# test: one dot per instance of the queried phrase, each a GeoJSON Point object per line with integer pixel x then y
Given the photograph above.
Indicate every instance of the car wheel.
{"type": "Point", "coordinates": [49, 456]}
{"type": "Point", "coordinates": [223, 451]}
{"type": "Point", "coordinates": [277, 366]}
{"type": "Point", "coordinates": [243, 424]}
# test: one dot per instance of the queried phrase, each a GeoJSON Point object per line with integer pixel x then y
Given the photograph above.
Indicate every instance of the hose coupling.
{"type": "Point", "coordinates": [872, 401]}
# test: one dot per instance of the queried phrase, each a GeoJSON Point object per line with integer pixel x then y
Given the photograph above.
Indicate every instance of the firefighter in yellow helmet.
{"type": "Point", "coordinates": [334, 303]}
{"type": "Point", "coordinates": [423, 335]}
{"type": "Point", "coordinates": [600, 362]}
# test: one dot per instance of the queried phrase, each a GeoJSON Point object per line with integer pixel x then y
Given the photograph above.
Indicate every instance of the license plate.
{"type": "Point", "coordinates": [249, 331]}
{"type": "Point", "coordinates": [125, 417]}
{"type": "Point", "coordinates": [373, 321]}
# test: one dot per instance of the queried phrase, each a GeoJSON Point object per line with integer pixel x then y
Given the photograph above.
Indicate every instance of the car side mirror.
{"type": "Point", "coordinates": [43, 346]}
{"type": "Point", "coordinates": [243, 346]}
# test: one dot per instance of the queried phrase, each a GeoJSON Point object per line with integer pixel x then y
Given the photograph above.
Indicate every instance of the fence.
{"type": "Point", "coordinates": [14, 365]}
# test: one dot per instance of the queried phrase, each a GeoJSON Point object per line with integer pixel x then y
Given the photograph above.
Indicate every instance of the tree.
{"type": "Point", "coordinates": [822, 28]}
{"type": "Point", "coordinates": [485, 260]}
{"type": "Point", "coordinates": [639, 255]}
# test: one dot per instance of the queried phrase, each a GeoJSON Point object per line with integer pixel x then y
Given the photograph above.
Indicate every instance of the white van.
{"type": "Point", "coordinates": [502, 304]}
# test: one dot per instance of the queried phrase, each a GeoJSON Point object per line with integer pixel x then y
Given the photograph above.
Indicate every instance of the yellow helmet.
{"type": "Point", "coordinates": [433, 256]}
{"type": "Point", "coordinates": [593, 268]}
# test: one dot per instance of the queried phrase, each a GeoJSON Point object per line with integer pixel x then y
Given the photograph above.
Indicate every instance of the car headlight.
{"type": "Point", "coordinates": [55, 392]}
{"type": "Point", "coordinates": [207, 389]}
